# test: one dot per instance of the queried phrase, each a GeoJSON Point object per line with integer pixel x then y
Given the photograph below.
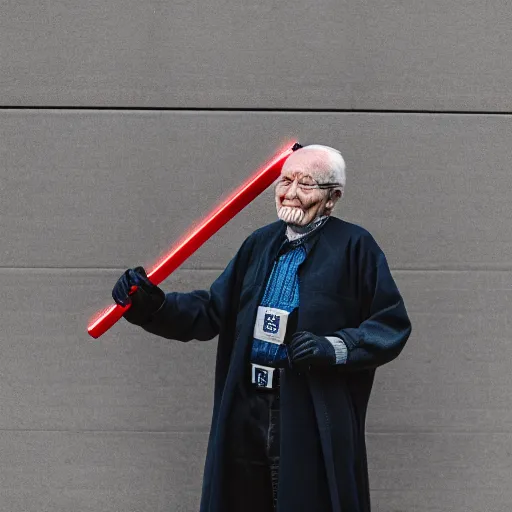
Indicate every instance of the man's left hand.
{"type": "Point", "coordinates": [305, 349]}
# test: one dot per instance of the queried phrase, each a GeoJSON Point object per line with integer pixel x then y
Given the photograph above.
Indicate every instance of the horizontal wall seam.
{"type": "Point", "coordinates": [206, 431]}
{"type": "Point", "coordinates": [200, 430]}
{"type": "Point", "coordinates": [255, 110]}
{"type": "Point", "coordinates": [220, 269]}
{"type": "Point", "coordinates": [109, 431]}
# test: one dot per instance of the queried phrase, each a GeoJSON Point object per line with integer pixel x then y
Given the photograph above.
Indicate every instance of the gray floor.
{"type": "Point", "coordinates": [92, 181]}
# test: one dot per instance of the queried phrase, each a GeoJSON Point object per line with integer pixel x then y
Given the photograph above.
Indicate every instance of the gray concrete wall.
{"type": "Point", "coordinates": [123, 122]}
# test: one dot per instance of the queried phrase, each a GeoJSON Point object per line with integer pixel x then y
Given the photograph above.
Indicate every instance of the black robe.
{"type": "Point", "coordinates": [346, 290]}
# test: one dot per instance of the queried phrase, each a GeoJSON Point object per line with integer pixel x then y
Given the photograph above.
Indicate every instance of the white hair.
{"type": "Point", "coordinates": [336, 164]}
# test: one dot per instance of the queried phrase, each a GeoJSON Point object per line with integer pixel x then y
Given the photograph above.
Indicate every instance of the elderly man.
{"type": "Point", "coordinates": [305, 312]}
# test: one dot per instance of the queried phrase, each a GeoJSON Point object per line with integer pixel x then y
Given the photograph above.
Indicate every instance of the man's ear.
{"type": "Point", "coordinates": [335, 195]}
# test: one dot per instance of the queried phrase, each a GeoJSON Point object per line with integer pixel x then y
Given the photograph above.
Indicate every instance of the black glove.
{"type": "Point", "coordinates": [305, 349]}
{"type": "Point", "coordinates": [145, 300]}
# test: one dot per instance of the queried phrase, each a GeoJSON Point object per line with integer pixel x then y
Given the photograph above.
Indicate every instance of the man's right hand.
{"type": "Point", "coordinates": [134, 288]}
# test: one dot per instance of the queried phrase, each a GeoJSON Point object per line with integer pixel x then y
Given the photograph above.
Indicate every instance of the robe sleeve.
{"type": "Point", "coordinates": [199, 314]}
{"type": "Point", "coordinates": [386, 326]}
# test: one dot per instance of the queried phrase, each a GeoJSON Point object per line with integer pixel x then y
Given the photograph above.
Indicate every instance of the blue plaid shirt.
{"type": "Point", "coordinates": [282, 292]}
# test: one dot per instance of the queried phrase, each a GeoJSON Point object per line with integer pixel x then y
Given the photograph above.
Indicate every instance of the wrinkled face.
{"type": "Point", "coordinates": [299, 201]}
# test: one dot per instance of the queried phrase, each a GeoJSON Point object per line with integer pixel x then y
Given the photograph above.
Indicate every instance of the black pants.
{"type": "Point", "coordinates": [252, 467]}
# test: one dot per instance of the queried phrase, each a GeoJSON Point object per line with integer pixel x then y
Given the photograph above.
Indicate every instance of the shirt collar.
{"type": "Point", "coordinates": [293, 234]}
{"type": "Point", "coordinates": [307, 239]}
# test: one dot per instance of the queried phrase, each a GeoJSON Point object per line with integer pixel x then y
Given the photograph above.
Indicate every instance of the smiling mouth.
{"type": "Point", "coordinates": [291, 214]}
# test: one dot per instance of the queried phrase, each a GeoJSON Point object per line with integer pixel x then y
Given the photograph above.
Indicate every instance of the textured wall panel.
{"type": "Point", "coordinates": [450, 55]}
{"type": "Point", "coordinates": [110, 189]}
{"type": "Point", "coordinates": [440, 472]}
{"type": "Point", "coordinates": [439, 420]}
{"type": "Point", "coordinates": [99, 471]}
{"type": "Point", "coordinates": [161, 472]}
{"type": "Point", "coordinates": [434, 500]}
{"type": "Point", "coordinates": [453, 375]}
{"type": "Point", "coordinates": [55, 376]}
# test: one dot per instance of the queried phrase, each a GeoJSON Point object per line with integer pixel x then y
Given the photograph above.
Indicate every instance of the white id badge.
{"type": "Point", "coordinates": [271, 324]}
{"type": "Point", "coordinates": [262, 376]}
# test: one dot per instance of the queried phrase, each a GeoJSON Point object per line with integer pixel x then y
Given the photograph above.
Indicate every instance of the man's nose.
{"type": "Point", "coordinates": [291, 193]}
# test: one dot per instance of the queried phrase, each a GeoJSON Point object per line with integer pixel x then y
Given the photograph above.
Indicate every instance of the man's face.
{"type": "Point", "coordinates": [298, 202]}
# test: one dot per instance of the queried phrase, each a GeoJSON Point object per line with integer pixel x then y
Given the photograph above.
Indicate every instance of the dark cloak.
{"type": "Point", "coordinates": [346, 290]}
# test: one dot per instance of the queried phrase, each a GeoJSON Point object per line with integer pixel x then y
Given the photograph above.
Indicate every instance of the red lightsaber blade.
{"type": "Point", "coordinates": [189, 244]}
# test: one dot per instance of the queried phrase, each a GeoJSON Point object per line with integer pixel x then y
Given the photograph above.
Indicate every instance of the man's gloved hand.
{"type": "Point", "coordinates": [145, 300]}
{"type": "Point", "coordinates": [305, 349]}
